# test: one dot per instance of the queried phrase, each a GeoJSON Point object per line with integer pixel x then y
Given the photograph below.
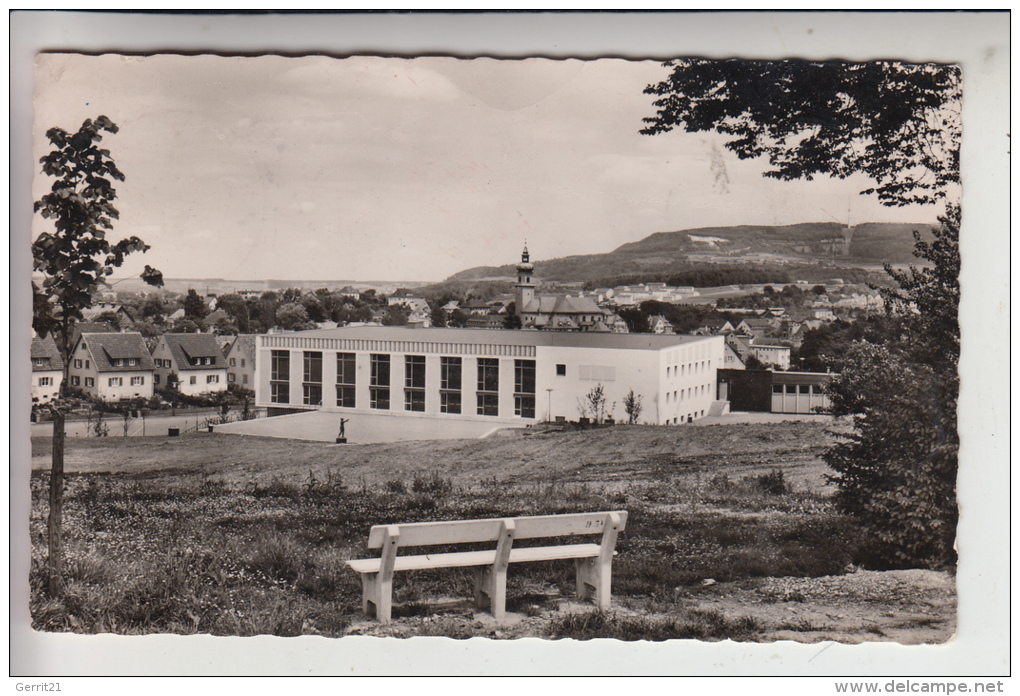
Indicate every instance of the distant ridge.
{"type": "Point", "coordinates": [866, 243]}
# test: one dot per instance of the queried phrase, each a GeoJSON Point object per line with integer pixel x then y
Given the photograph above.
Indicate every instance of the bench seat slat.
{"type": "Point", "coordinates": [466, 531]}
{"type": "Point", "coordinates": [467, 559]}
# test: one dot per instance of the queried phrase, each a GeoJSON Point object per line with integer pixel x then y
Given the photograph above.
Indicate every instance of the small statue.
{"type": "Point", "coordinates": [343, 421]}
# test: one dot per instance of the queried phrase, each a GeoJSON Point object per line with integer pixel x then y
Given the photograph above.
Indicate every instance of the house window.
{"type": "Point", "coordinates": [233, 362]}
{"type": "Point", "coordinates": [132, 362]}
{"type": "Point", "coordinates": [40, 362]}
{"type": "Point", "coordinates": [155, 379]}
{"type": "Point", "coordinates": [137, 381]}
{"type": "Point", "coordinates": [193, 380]}
{"type": "Point", "coordinates": [449, 384]}
{"type": "Point", "coordinates": [116, 381]}
{"type": "Point", "coordinates": [231, 377]}
{"type": "Point", "coordinates": [45, 381]}
{"type": "Point", "coordinates": [805, 389]}
{"type": "Point", "coordinates": [312, 385]}
{"type": "Point", "coordinates": [777, 388]}
{"type": "Point", "coordinates": [524, 388]}
{"type": "Point", "coordinates": [86, 364]}
{"type": "Point", "coordinates": [345, 380]}
{"type": "Point", "coordinates": [791, 388]}
{"type": "Point", "coordinates": [279, 377]}
{"type": "Point", "coordinates": [75, 381]}
{"type": "Point", "coordinates": [379, 383]}
{"type": "Point", "coordinates": [488, 386]}
{"type": "Point", "coordinates": [414, 383]}
{"type": "Point", "coordinates": [77, 364]}
{"type": "Point", "coordinates": [90, 382]}
{"type": "Point", "coordinates": [242, 362]}
{"type": "Point", "coordinates": [244, 379]}
{"type": "Point", "coordinates": [212, 379]}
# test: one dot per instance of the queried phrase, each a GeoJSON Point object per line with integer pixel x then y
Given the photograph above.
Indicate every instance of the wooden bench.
{"type": "Point", "coordinates": [593, 561]}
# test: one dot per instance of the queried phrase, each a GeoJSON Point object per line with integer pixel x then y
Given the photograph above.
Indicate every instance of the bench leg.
{"type": "Point", "coordinates": [594, 580]}
{"type": "Point", "coordinates": [377, 595]}
{"type": "Point", "coordinates": [490, 591]}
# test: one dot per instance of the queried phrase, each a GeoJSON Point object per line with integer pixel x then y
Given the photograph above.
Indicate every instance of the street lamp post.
{"type": "Point", "coordinates": [549, 391]}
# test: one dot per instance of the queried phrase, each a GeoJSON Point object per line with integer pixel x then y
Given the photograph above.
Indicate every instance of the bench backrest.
{"type": "Point", "coordinates": [469, 531]}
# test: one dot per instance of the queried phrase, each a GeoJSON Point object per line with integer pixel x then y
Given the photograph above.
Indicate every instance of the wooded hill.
{"type": "Point", "coordinates": [674, 252]}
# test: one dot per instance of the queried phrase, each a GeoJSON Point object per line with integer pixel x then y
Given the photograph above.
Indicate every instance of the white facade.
{"type": "Point", "coordinates": [506, 376]}
{"type": "Point", "coordinates": [46, 385]}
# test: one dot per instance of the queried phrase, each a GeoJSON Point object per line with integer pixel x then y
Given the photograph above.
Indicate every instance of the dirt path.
{"type": "Point", "coordinates": [910, 607]}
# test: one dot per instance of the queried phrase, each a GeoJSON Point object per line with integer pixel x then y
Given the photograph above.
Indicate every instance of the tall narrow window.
{"type": "Point", "coordinates": [414, 383]}
{"type": "Point", "coordinates": [345, 380]}
{"type": "Point", "coordinates": [450, 384]}
{"type": "Point", "coordinates": [524, 388]}
{"type": "Point", "coordinates": [488, 386]}
{"type": "Point", "coordinates": [312, 381]}
{"type": "Point", "coordinates": [379, 385]}
{"type": "Point", "coordinates": [279, 377]}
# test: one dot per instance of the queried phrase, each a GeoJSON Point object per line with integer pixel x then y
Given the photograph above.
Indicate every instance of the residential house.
{"type": "Point", "coordinates": [47, 370]}
{"type": "Point", "coordinates": [715, 327]}
{"type": "Point", "coordinates": [486, 321]}
{"type": "Point", "coordinates": [775, 355]}
{"type": "Point", "coordinates": [659, 325]}
{"type": "Point", "coordinates": [475, 306]}
{"type": "Point", "coordinates": [112, 366]}
{"type": "Point", "coordinates": [195, 358]}
{"type": "Point", "coordinates": [241, 361]}
{"type": "Point", "coordinates": [415, 304]}
{"type": "Point", "coordinates": [419, 318]}
{"type": "Point", "coordinates": [212, 318]}
{"type": "Point", "coordinates": [93, 313]}
{"type": "Point", "coordinates": [732, 360]}
{"type": "Point", "coordinates": [759, 327]}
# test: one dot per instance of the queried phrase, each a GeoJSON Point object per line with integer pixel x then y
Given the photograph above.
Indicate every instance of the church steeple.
{"type": "Point", "coordinates": [524, 290]}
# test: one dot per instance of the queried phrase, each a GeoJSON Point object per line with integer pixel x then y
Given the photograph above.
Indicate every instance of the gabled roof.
{"type": "Point", "coordinates": [213, 317]}
{"type": "Point", "coordinates": [45, 350]}
{"type": "Point", "coordinates": [91, 327]}
{"type": "Point", "coordinates": [245, 345]}
{"type": "Point", "coordinates": [105, 347]}
{"type": "Point", "coordinates": [97, 310]}
{"type": "Point", "coordinates": [184, 346]}
{"type": "Point", "coordinates": [565, 304]}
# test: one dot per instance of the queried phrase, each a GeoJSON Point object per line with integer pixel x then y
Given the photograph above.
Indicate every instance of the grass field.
{"type": "Point", "coordinates": [234, 535]}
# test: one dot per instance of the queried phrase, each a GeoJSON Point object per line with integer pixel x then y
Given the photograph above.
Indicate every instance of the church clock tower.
{"type": "Point", "coordinates": [524, 290]}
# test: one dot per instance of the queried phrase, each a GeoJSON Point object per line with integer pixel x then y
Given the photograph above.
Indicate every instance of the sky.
{"type": "Point", "coordinates": [368, 168]}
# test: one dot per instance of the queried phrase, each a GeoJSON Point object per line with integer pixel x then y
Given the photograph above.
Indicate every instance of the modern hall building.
{"type": "Point", "coordinates": [500, 376]}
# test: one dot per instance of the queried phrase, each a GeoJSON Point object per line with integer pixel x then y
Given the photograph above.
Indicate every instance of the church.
{"type": "Point", "coordinates": [562, 313]}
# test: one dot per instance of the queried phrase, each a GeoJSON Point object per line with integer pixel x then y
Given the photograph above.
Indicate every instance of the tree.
{"type": "Point", "coordinates": [511, 320]}
{"type": "Point", "coordinates": [632, 407]}
{"type": "Point", "coordinates": [898, 467]}
{"type": "Point", "coordinates": [637, 320]}
{"type": "Point", "coordinates": [194, 306]}
{"type": "Point", "coordinates": [237, 307]}
{"type": "Point", "coordinates": [899, 124]}
{"type": "Point", "coordinates": [291, 315]}
{"type": "Point", "coordinates": [396, 315]}
{"type": "Point", "coordinates": [74, 260]}
{"type": "Point", "coordinates": [456, 319]}
{"type": "Point", "coordinates": [438, 316]}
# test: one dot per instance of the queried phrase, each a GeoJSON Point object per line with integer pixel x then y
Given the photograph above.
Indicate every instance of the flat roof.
{"type": "Point", "coordinates": [570, 339]}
